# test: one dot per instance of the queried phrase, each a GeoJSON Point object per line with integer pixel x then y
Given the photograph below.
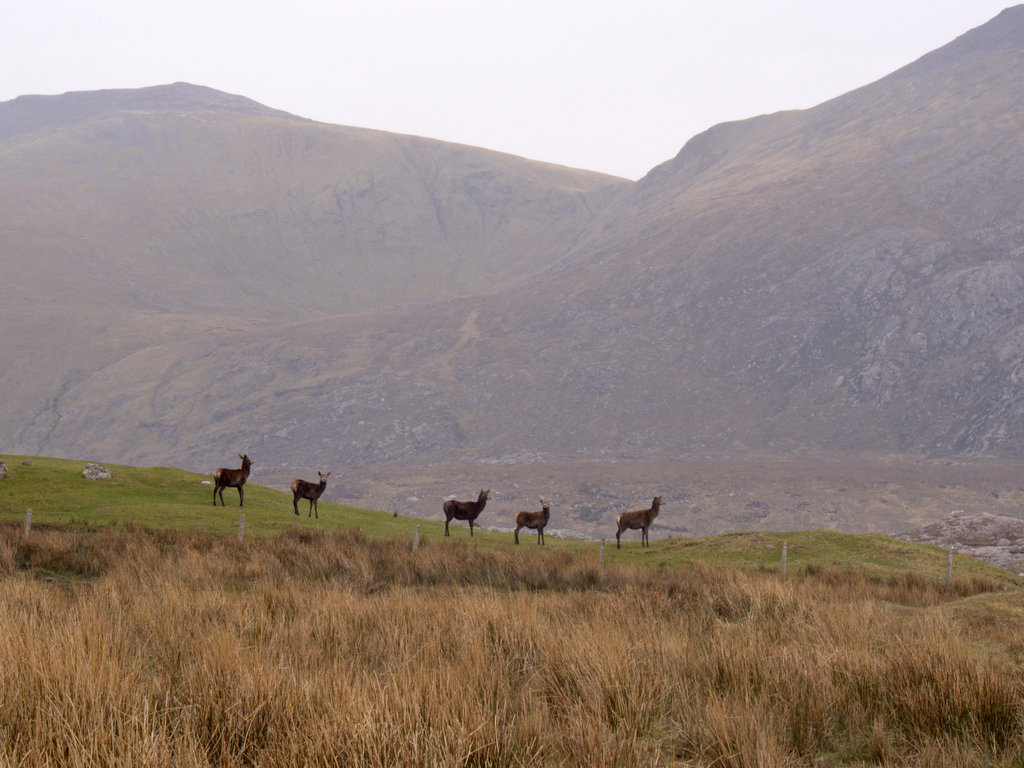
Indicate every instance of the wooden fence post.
{"type": "Point", "coordinates": [416, 539]}
{"type": "Point", "coordinates": [28, 522]}
{"type": "Point", "coordinates": [600, 557]}
{"type": "Point", "coordinates": [241, 527]}
{"type": "Point", "coordinates": [949, 568]}
{"type": "Point", "coordinates": [785, 555]}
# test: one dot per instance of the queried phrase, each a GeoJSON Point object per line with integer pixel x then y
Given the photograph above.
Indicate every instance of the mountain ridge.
{"type": "Point", "coordinates": [173, 221]}
{"type": "Point", "coordinates": [30, 113]}
{"type": "Point", "coordinates": [843, 280]}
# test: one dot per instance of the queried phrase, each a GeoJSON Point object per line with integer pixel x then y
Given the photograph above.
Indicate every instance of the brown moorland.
{"type": "Point", "coordinates": [152, 648]}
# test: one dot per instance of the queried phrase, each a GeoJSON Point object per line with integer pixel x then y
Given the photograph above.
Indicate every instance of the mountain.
{"type": "Point", "coordinates": [839, 286]}
{"type": "Point", "coordinates": [846, 277]}
{"type": "Point", "coordinates": [168, 214]}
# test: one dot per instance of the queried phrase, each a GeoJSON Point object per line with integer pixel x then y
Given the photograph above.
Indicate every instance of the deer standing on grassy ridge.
{"type": "Point", "coordinates": [302, 489]}
{"type": "Point", "coordinates": [464, 510]}
{"type": "Point", "coordinates": [535, 520]}
{"type": "Point", "coordinates": [231, 478]}
{"type": "Point", "coordinates": [640, 518]}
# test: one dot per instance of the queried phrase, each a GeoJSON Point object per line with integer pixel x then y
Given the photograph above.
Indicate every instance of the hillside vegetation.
{"type": "Point", "coordinates": [161, 497]}
{"type": "Point", "coordinates": [165, 498]}
{"type": "Point", "coordinates": [137, 629]}
{"type": "Point", "coordinates": [161, 647]}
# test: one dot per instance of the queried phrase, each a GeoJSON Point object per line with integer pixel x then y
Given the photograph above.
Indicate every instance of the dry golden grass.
{"type": "Point", "coordinates": [147, 648]}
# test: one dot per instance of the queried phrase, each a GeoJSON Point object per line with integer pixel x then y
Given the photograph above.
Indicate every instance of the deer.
{"type": "Point", "coordinates": [464, 510]}
{"type": "Point", "coordinates": [640, 518]}
{"type": "Point", "coordinates": [231, 478]}
{"type": "Point", "coordinates": [536, 520]}
{"type": "Point", "coordinates": [302, 489]}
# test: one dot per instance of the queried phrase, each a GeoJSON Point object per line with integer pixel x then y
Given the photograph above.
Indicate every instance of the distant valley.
{"type": "Point", "coordinates": [805, 319]}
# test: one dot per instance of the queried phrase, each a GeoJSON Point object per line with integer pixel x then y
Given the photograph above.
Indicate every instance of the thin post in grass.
{"type": "Point", "coordinates": [28, 522]}
{"type": "Point", "coordinates": [785, 556]}
{"type": "Point", "coordinates": [241, 527]}
{"type": "Point", "coordinates": [416, 539]}
{"type": "Point", "coordinates": [949, 568]}
{"type": "Point", "coordinates": [600, 557]}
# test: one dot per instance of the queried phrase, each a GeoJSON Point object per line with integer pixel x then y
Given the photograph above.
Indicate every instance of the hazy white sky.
{"type": "Point", "coordinates": [609, 85]}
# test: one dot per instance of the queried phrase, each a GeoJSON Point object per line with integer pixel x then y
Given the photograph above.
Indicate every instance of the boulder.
{"type": "Point", "coordinates": [95, 472]}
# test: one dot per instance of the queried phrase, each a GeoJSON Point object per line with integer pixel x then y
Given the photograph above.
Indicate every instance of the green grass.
{"type": "Point", "coordinates": [164, 497]}
{"type": "Point", "coordinates": [876, 554]}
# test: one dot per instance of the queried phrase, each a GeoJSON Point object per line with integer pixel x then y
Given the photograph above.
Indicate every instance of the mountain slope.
{"type": "Point", "coordinates": [847, 277]}
{"type": "Point", "coordinates": [134, 218]}
{"type": "Point", "coordinates": [207, 203]}
{"type": "Point", "coordinates": [844, 280]}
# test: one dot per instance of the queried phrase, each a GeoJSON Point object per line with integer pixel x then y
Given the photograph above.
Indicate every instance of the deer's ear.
{"type": "Point", "coordinates": [241, 457]}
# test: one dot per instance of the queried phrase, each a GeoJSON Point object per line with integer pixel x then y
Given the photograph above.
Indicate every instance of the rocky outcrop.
{"type": "Point", "coordinates": [996, 539]}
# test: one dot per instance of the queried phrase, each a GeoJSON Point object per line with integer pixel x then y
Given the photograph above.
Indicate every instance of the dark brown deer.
{"type": "Point", "coordinates": [534, 520]}
{"type": "Point", "coordinates": [464, 510]}
{"type": "Point", "coordinates": [302, 489]}
{"type": "Point", "coordinates": [231, 478]}
{"type": "Point", "coordinates": [640, 518]}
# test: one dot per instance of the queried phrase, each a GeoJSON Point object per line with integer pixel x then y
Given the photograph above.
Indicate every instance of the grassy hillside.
{"type": "Point", "coordinates": [168, 498]}
{"type": "Point", "coordinates": [164, 497]}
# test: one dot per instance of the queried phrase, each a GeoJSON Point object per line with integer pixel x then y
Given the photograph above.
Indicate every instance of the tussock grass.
{"type": "Point", "coordinates": [153, 648]}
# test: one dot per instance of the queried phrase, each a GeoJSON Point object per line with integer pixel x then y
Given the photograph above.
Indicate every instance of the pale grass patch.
{"type": "Point", "coordinates": [319, 649]}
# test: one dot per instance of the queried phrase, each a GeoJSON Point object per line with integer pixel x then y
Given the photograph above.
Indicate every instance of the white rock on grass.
{"type": "Point", "coordinates": [95, 472]}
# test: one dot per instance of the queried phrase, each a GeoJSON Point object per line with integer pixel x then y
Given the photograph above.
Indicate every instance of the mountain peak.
{"type": "Point", "coordinates": [988, 59]}
{"type": "Point", "coordinates": [1002, 33]}
{"type": "Point", "coordinates": [33, 112]}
